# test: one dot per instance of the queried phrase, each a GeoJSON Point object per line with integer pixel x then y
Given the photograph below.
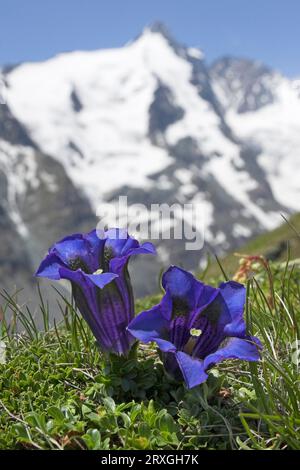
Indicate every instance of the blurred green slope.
{"type": "Point", "coordinates": [274, 245]}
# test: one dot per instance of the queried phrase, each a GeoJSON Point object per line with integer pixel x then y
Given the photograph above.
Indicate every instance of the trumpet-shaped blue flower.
{"type": "Point", "coordinates": [196, 326]}
{"type": "Point", "coordinates": [96, 265]}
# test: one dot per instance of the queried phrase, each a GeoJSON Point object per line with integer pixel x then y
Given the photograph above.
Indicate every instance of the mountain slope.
{"type": "Point", "coordinates": [263, 107]}
{"type": "Point", "coordinates": [276, 245]}
{"type": "Point", "coordinates": [153, 122]}
{"type": "Point", "coordinates": [38, 204]}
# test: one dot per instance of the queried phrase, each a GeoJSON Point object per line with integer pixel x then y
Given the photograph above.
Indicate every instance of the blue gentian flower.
{"type": "Point", "coordinates": [196, 326]}
{"type": "Point", "coordinates": [96, 265]}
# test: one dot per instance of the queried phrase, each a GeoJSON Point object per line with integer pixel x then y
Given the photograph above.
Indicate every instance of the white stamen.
{"type": "Point", "coordinates": [195, 332]}
{"type": "Point", "coordinates": [99, 271]}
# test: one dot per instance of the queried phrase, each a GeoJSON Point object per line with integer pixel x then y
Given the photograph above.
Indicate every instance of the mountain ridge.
{"type": "Point", "coordinates": [154, 122]}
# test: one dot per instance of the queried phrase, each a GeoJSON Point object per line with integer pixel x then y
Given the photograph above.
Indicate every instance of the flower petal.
{"type": "Point", "coordinates": [78, 277]}
{"type": "Point", "coordinates": [180, 284]}
{"type": "Point", "coordinates": [117, 264]}
{"type": "Point", "coordinates": [235, 348]}
{"type": "Point", "coordinates": [148, 325]}
{"type": "Point", "coordinates": [75, 252]}
{"type": "Point", "coordinates": [101, 280]}
{"type": "Point", "coordinates": [146, 248]}
{"type": "Point", "coordinates": [189, 298]}
{"type": "Point", "coordinates": [96, 244]}
{"type": "Point", "coordinates": [234, 295]}
{"type": "Point", "coordinates": [103, 309]}
{"type": "Point", "coordinates": [183, 286]}
{"type": "Point", "coordinates": [164, 345]}
{"type": "Point", "coordinates": [50, 267]}
{"type": "Point", "coordinates": [192, 369]}
{"type": "Point", "coordinates": [104, 298]}
{"type": "Point", "coordinates": [120, 242]}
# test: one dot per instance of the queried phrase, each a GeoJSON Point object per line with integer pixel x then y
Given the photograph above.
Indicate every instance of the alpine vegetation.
{"type": "Point", "coordinates": [195, 325]}
{"type": "Point", "coordinates": [60, 389]}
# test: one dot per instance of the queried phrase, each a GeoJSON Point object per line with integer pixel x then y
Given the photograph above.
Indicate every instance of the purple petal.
{"type": "Point", "coordinates": [234, 295]}
{"type": "Point", "coordinates": [179, 283]}
{"type": "Point", "coordinates": [117, 264]}
{"type": "Point", "coordinates": [184, 286]}
{"type": "Point", "coordinates": [166, 306]}
{"type": "Point", "coordinates": [235, 348]}
{"type": "Point", "coordinates": [50, 267]}
{"type": "Point", "coordinates": [189, 298]}
{"type": "Point", "coordinates": [192, 369]}
{"type": "Point", "coordinates": [164, 345]}
{"type": "Point", "coordinates": [104, 309]}
{"type": "Point", "coordinates": [78, 277]}
{"type": "Point", "coordinates": [148, 325]}
{"type": "Point", "coordinates": [105, 300]}
{"type": "Point", "coordinates": [96, 244]}
{"type": "Point", "coordinates": [120, 242]}
{"type": "Point", "coordinates": [101, 280]}
{"type": "Point", "coordinates": [223, 317]}
{"type": "Point", "coordinates": [146, 248]}
{"type": "Point", "coordinates": [75, 252]}
{"type": "Point", "coordinates": [123, 282]}
{"type": "Point", "coordinates": [152, 325]}
{"type": "Point", "coordinates": [114, 317]}
{"type": "Point", "coordinates": [209, 340]}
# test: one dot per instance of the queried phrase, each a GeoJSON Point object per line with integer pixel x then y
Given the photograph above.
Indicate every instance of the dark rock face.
{"type": "Point", "coordinates": [54, 208]}
{"type": "Point", "coordinates": [76, 149]}
{"type": "Point", "coordinates": [11, 130]}
{"type": "Point", "coordinates": [186, 151]}
{"type": "Point", "coordinates": [201, 80]}
{"type": "Point", "coordinates": [163, 112]}
{"type": "Point", "coordinates": [244, 78]}
{"type": "Point", "coordinates": [14, 259]}
{"type": "Point", "coordinates": [262, 195]}
{"type": "Point", "coordinates": [76, 103]}
{"type": "Point", "coordinates": [160, 28]}
{"type": "Point", "coordinates": [48, 208]}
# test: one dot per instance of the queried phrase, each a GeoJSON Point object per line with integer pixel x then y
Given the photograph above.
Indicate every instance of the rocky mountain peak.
{"type": "Point", "coordinates": [246, 83]}
{"type": "Point", "coordinates": [159, 28]}
{"type": "Point", "coordinates": [153, 122]}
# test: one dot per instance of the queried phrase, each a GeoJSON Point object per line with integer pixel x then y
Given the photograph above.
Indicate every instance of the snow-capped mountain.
{"type": "Point", "coordinates": [38, 203]}
{"type": "Point", "coordinates": [152, 121]}
{"type": "Point", "coordinates": [263, 108]}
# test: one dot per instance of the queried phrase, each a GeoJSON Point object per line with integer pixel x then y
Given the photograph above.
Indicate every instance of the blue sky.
{"type": "Point", "coordinates": [267, 30]}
